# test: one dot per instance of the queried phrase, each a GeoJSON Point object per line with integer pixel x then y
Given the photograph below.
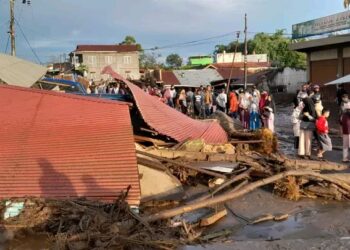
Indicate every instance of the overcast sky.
{"type": "Point", "coordinates": [55, 27]}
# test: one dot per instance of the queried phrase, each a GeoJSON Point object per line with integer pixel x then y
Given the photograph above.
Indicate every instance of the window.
{"type": "Point", "coordinates": [92, 60]}
{"type": "Point", "coordinates": [127, 59]}
{"type": "Point", "coordinates": [109, 59]}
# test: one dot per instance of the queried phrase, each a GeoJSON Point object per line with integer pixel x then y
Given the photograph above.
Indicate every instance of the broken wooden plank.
{"type": "Point", "coordinates": [155, 142]}
{"type": "Point", "coordinates": [182, 165]}
{"type": "Point", "coordinates": [213, 218]}
{"type": "Point", "coordinates": [246, 142]}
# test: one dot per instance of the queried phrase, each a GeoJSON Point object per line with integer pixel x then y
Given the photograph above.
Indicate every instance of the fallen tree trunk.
{"type": "Point", "coordinates": [222, 186]}
{"type": "Point", "coordinates": [200, 170]}
{"type": "Point", "coordinates": [313, 165]}
{"type": "Point", "coordinates": [247, 189]}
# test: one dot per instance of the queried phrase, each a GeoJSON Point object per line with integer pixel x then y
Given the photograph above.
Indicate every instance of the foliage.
{"type": "Point", "coordinates": [275, 46]}
{"type": "Point", "coordinates": [130, 40]}
{"type": "Point", "coordinates": [174, 61]}
{"type": "Point", "coordinates": [346, 4]}
{"type": "Point", "coordinates": [150, 60]}
{"type": "Point", "coordinates": [81, 69]}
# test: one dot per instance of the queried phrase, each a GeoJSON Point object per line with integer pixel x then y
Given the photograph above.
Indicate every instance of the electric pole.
{"type": "Point", "coordinates": [233, 63]}
{"type": "Point", "coordinates": [245, 51]}
{"type": "Point", "coordinates": [12, 27]}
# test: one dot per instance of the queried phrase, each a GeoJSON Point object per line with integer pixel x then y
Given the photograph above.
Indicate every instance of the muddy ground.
{"type": "Point", "coordinates": [312, 224]}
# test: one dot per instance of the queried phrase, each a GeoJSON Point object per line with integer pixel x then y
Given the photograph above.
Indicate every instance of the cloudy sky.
{"type": "Point", "coordinates": [54, 27]}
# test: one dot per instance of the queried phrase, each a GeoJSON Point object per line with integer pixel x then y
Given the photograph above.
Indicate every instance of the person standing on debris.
{"type": "Point", "coordinates": [221, 101]}
{"type": "Point", "coordinates": [263, 101]}
{"type": "Point", "coordinates": [345, 125]}
{"type": "Point", "coordinates": [182, 101]}
{"type": "Point", "coordinates": [254, 118]}
{"type": "Point", "coordinates": [256, 94]}
{"type": "Point", "coordinates": [307, 127]}
{"type": "Point", "coordinates": [296, 123]}
{"type": "Point", "coordinates": [244, 104]}
{"type": "Point", "coordinates": [325, 143]}
{"type": "Point", "coordinates": [233, 109]}
{"type": "Point", "coordinates": [208, 101]}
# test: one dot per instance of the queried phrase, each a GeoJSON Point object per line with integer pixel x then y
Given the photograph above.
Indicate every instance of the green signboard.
{"type": "Point", "coordinates": [336, 22]}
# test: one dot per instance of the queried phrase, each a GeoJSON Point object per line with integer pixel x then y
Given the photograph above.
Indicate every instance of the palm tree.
{"type": "Point", "coordinates": [346, 4]}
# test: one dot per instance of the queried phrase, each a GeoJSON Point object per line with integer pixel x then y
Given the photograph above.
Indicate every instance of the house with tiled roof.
{"type": "Point", "coordinates": [124, 59]}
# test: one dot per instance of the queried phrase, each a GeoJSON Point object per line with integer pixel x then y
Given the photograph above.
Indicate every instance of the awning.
{"type": "Point", "coordinates": [18, 72]}
{"type": "Point", "coordinates": [345, 79]}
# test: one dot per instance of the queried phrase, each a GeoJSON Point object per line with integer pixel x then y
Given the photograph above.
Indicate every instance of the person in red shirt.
{"type": "Point", "coordinates": [233, 109]}
{"type": "Point", "coordinates": [324, 140]}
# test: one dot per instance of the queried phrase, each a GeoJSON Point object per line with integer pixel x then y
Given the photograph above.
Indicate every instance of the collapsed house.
{"type": "Point", "coordinates": [169, 122]}
{"type": "Point", "coordinates": [56, 145]}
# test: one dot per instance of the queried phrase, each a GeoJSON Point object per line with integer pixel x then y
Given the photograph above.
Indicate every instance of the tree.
{"type": "Point", "coordinates": [174, 61]}
{"type": "Point", "coordinates": [276, 46]}
{"type": "Point", "coordinates": [346, 4]}
{"type": "Point", "coordinates": [149, 60]}
{"type": "Point", "coordinates": [130, 40]}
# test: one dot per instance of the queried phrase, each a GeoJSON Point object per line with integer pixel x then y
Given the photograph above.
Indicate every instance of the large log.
{"type": "Point", "coordinates": [246, 189]}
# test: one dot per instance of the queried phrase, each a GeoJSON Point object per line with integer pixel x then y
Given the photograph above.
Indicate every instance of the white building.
{"type": "Point", "coordinates": [228, 57]}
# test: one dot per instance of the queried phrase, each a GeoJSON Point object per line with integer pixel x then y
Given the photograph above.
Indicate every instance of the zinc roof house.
{"type": "Point", "coordinates": [55, 145]}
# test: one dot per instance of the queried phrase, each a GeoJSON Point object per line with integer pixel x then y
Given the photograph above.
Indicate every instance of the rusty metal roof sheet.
{"type": "Point", "coordinates": [58, 145]}
{"type": "Point", "coordinates": [170, 122]}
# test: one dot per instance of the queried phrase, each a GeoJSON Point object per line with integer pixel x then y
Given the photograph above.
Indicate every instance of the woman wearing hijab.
{"type": "Point", "coordinates": [182, 101]}
{"type": "Point", "coordinates": [307, 128]}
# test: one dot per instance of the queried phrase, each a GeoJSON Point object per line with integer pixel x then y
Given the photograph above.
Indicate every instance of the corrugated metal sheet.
{"type": "Point", "coordinates": [168, 121]}
{"type": "Point", "coordinates": [18, 72]}
{"type": "Point", "coordinates": [196, 78]}
{"type": "Point", "coordinates": [58, 145]}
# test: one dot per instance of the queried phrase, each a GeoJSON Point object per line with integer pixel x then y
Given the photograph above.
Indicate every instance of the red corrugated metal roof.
{"type": "Point", "coordinates": [58, 145]}
{"type": "Point", "coordinates": [170, 122]}
{"type": "Point", "coordinates": [102, 48]}
{"type": "Point", "coordinates": [169, 78]}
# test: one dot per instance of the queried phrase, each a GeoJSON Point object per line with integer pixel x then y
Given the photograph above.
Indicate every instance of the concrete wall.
{"type": "Point", "coordinates": [126, 64]}
{"type": "Point", "coordinates": [291, 78]}
{"type": "Point", "coordinates": [228, 57]}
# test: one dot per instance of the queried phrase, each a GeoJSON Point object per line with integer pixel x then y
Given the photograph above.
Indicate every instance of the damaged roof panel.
{"type": "Point", "coordinates": [170, 122]}
{"type": "Point", "coordinates": [55, 145]}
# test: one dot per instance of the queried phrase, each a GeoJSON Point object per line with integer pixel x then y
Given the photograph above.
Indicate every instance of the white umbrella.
{"type": "Point", "coordinates": [345, 79]}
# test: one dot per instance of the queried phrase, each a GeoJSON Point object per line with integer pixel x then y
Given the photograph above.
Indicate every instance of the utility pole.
{"type": "Point", "coordinates": [12, 27]}
{"type": "Point", "coordinates": [245, 51]}
{"type": "Point", "coordinates": [233, 64]}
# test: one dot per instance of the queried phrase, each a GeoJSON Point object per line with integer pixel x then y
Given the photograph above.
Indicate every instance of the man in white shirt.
{"type": "Point", "coordinates": [221, 101]}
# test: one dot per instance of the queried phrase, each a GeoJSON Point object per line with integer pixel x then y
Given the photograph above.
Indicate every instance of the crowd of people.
{"type": "Point", "coordinates": [252, 108]}
{"type": "Point", "coordinates": [104, 87]}
{"type": "Point", "coordinates": [310, 123]}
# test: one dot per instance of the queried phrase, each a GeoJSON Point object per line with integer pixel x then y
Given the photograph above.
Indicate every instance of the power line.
{"type": "Point", "coordinates": [25, 38]}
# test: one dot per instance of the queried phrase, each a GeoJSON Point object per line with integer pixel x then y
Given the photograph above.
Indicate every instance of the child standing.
{"type": "Point", "coordinates": [322, 133]}
{"type": "Point", "coordinates": [296, 123]}
{"type": "Point", "coordinates": [345, 124]}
